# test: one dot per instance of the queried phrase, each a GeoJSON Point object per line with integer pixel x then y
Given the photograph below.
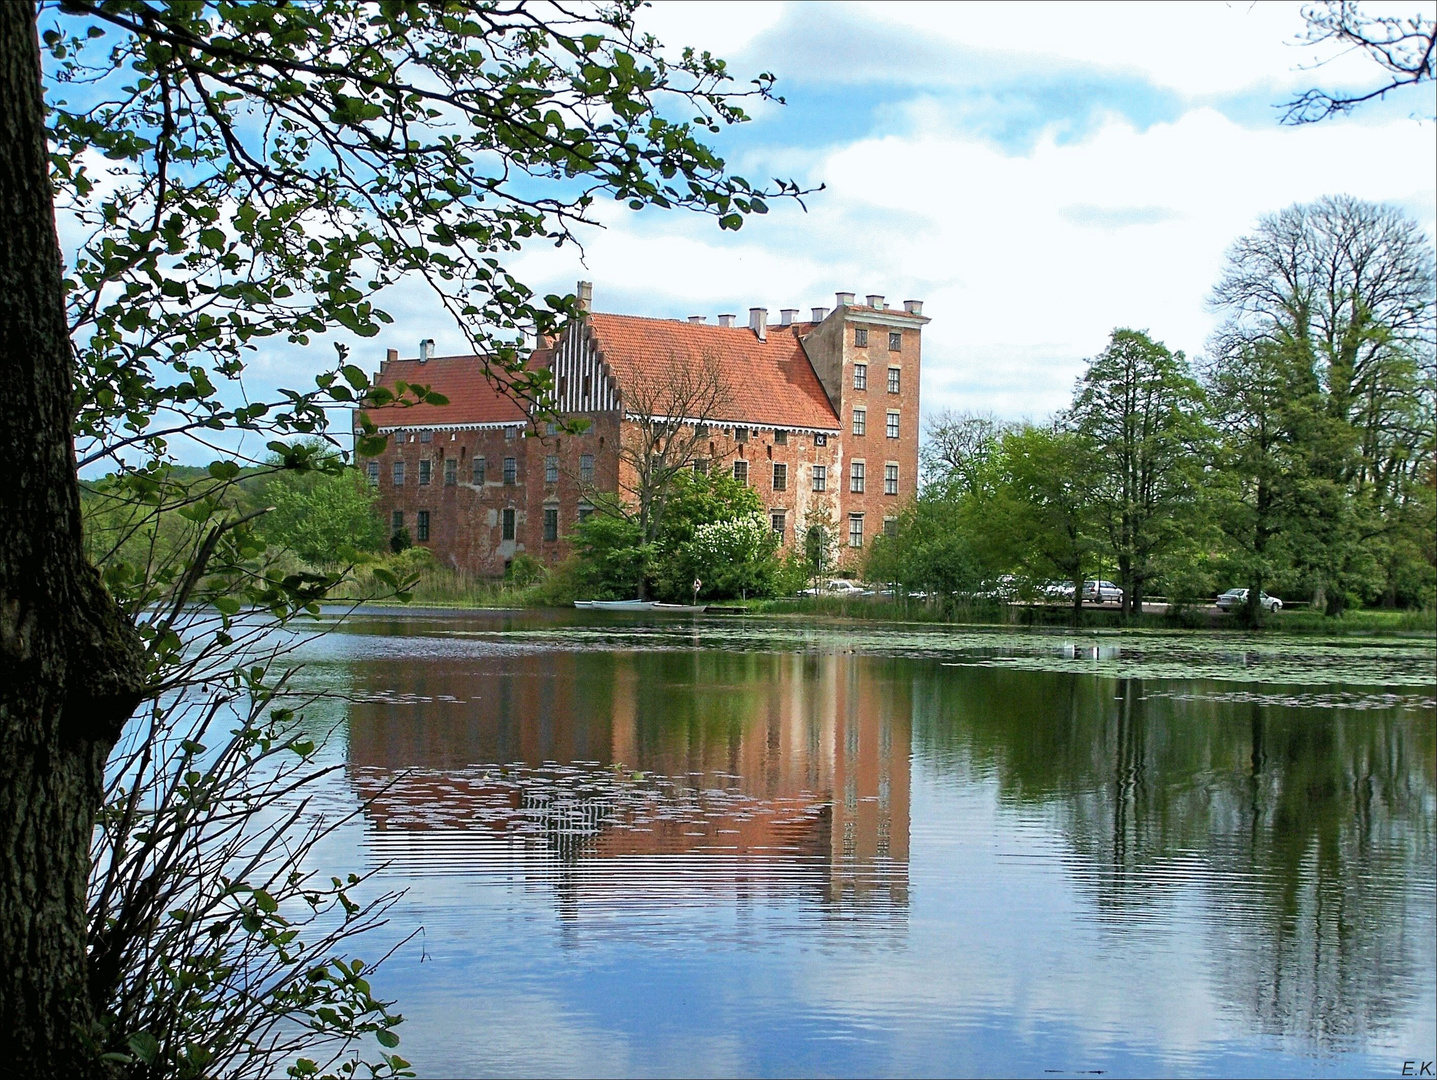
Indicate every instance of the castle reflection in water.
{"type": "Point", "coordinates": [695, 771]}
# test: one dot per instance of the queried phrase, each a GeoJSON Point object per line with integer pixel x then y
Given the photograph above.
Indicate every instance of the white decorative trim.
{"type": "Point", "coordinates": [885, 318]}
{"type": "Point", "coordinates": [486, 426]}
{"type": "Point", "coordinates": [716, 422]}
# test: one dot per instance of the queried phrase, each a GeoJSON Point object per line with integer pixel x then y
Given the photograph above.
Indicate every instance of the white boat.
{"type": "Point", "coordinates": [640, 605]}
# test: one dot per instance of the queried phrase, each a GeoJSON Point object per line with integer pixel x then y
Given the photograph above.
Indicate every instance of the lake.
{"type": "Point", "coordinates": [706, 846]}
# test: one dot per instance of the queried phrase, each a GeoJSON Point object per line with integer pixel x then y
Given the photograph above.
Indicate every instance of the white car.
{"type": "Point", "coordinates": [838, 587]}
{"type": "Point", "coordinates": [1236, 598]}
{"type": "Point", "coordinates": [1102, 592]}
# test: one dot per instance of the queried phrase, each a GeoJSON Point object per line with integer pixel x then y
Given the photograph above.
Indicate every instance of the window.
{"type": "Point", "coordinates": [451, 472]}
{"type": "Point", "coordinates": [701, 431]}
{"type": "Point", "coordinates": [820, 440]}
{"type": "Point", "coordinates": [396, 521]}
{"type": "Point", "coordinates": [551, 523]}
{"type": "Point", "coordinates": [779, 521]}
{"type": "Point", "coordinates": [511, 470]}
{"type": "Point", "coordinates": [740, 434]}
{"type": "Point", "coordinates": [860, 421]}
{"type": "Point", "coordinates": [586, 468]}
{"type": "Point", "coordinates": [892, 429]}
{"type": "Point", "coordinates": [423, 525]}
{"type": "Point", "coordinates": [551, 468]}
{"type": "Point", "coordinates": [855, 530]}
{"type": "Point", "coordinates": [399, 474]}
{"type": "Point", "coordinates": [890, 478]}
{"type": "Point", "coordinates": [481, 470]}
{"type": "Point", "coordinates": [425, 436]}
{"type": "Point", "coordinates": [701, 466]}
{"type": "Point", "coordinates": [895, 341]}
{"type": "Point", "coordinates": [780, 476]}
{"type": "Point", "coordinates": [890, 526]}
{"type": "Point", "coordinates": [740, 471]}
{"type": "Point", "coordinates": [588, 386]}
{"type": "Point", "coordinates": [371, 472]}
{"type": "Point", "coordinates": [551, 428]}
{"type": "Point", "coordinates": [425, 467]}
{"type": "Point", "coordinates": [860, 376]}
{"type": "Point", "coordinates": [584, 511]}
{"type": "Point", "coordinates": [507, 527]}
{"type": "Point", "coordinates": [860, 338]}
{"type": "Point", "coordinates": [820, 478]}
{"type": "Point", "coordinates": [893, 377]}
{"type": "Point", "coordinates": [511, 432]}
{"type": "Point", "coordinates": [856, 477]}
{"type": "Point", "coordinates": [780, 438]}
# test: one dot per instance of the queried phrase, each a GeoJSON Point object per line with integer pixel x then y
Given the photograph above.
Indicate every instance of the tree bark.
{"type": "Point", "coordinates": [71, 666]}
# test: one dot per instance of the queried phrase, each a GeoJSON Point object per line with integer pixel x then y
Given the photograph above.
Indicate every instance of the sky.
{"type": "Point", "coordinates": [1037, 174]}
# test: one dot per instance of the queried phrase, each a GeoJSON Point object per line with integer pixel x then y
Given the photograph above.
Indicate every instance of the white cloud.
{"type": "Point", "coordinates": [1027, 256]}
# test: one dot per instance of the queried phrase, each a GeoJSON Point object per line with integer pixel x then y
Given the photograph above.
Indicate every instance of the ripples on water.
{"type": "Point", "coordinates": [749, 850]}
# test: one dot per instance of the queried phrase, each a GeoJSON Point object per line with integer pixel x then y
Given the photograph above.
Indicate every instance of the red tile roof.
{"type": "Point", "coordinates": [473, 397]}
{"type": "Point", "coordinates": [768, 383]}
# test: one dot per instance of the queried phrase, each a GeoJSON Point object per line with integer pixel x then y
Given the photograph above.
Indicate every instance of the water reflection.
{"type": "Point", "coordinates": [1307, 840]}
{"type": "Point", "coordinates": [767, 764]}
{"type": "Point", "coordinates": [831, 861]}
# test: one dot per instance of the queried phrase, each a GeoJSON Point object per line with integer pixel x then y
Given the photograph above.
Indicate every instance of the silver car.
{"type": "Point", "coordinates": [1236, 598]}
{"type": "Point", "coordinates": [1102, 592]}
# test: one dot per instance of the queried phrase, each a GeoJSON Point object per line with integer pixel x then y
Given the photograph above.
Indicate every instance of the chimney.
{"type": "Point", "coordinates": [426, 350]}
{"type": "Point", "coordinates": [786, 316]}
{"type": "Point", "coordinates": [391, 355]}
{"type": "Point", "coordinates": [725, 320]}
{"type": "Point", "coordinates": [584, 295]}
{"type": "Point", "coordinates": [696, 319]}
{"type": "Point", "coordinates": [819, 314]}
{"type": "Point", "coordinates": [913, 307]}
{"type": "Point", "coordinates": [845, 299]}
{"type": "Point", "coordinates": [876, 301]}
{"type": "Point", "coordinates": [758, 322]}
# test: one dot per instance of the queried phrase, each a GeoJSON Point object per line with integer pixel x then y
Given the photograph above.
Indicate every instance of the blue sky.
{"type": "Point", "coordinates": [1037, 174]}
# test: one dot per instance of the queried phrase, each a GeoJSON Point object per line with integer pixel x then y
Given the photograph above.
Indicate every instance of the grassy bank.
{"type": "Point", "coordinates": [438, 586]}
{"type": "Point", "coordinates": [1373, 621]}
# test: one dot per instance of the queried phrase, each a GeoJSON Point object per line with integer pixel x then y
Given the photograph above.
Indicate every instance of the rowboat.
{"type": "Point", "coordinates": [641, 605]}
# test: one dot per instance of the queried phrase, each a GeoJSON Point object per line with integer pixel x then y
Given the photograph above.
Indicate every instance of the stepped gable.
{"type": "Point", "coordinates": [770, 383]}
{"type": "Point", "coordinates": [474, 397]}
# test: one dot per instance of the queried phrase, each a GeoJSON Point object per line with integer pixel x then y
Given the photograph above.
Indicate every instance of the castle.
{"type": "Point", "coordinates": [820, 416]}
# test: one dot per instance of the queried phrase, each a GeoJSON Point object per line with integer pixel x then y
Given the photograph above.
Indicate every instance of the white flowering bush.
{"type": "Point", "coordinates": [732, 557]}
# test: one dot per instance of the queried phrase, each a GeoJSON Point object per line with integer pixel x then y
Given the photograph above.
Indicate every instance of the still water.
{"type": "Point", "coordinates": [744, 848]}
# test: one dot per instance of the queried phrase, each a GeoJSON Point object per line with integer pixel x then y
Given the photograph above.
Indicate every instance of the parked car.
{"type": "Point", "coordinates": [1236, 598]}
{"type": "Point", "coordinates": [1101, 592]}
{"type": "Point", "coordinates": [1057, 590]}
{"type": "Point", "coordinates": [838, 587]}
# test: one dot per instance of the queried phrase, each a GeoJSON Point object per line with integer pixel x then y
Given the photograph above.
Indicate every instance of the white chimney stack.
{"type": "Point", "coordinates": [725, 320]}
{"type": "Point", "coordinates": [876, 301]}
{"type": "Point", "coordinates": [845, 299]}
{"type": "Point", "coordinates": [426, 350]}
{"type": "Point", "coordinates": [913, 307]}
{"type": "Point", "coordinates": [758, 322]}
{"type": "Point", "coordinates": [584, 295]}
{"type": "Point", "coordinates": [786, 315]}
{"type": "Point", "coordinates": [819, 314]}
{"type": "Point", "coordinates": [696, 319]}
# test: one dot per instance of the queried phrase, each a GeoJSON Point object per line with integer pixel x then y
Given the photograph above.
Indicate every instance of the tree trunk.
{"type": "Point", "coordinates": [71, 666]}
